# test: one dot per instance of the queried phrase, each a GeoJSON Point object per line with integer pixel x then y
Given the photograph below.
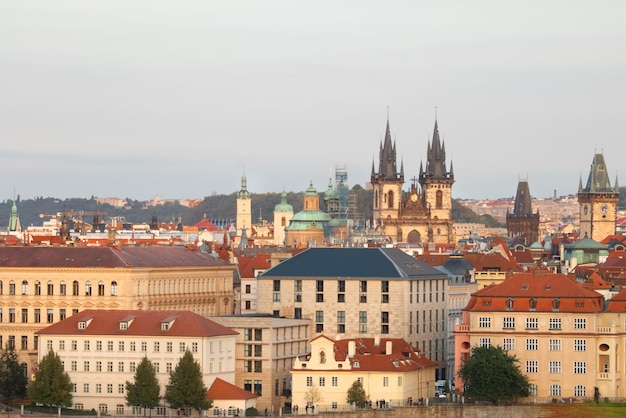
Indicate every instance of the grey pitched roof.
{"type": "Point", "coordinates": [353, 262]}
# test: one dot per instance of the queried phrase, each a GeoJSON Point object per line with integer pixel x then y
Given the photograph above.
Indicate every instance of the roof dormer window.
{"type": "Point", "coordinates": [83, 324]}
{"type": "Point", "coordinates": [123, 325]}
{"type": "Point", "coordinates": [165, 326]}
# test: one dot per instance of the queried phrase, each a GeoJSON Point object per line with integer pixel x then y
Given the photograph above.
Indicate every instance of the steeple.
{"type": "Point", "coordinates": [598, 180]}
{"type": "Point", "coordinates": [387, 168]}
{"type": "Point", "coordinates": [436, 158]}
{"type": "Point", "coordinates": [14, 220]}
{"type": "Point", "coordinates": [243, 193]}
{"type": "Point", "coordinates": [522, 199]}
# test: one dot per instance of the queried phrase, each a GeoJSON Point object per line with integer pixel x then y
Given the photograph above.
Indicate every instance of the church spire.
{"type": "Point", "coordinates": [387, 167]}
{"type": "Point", "coordinates": [436, 157]}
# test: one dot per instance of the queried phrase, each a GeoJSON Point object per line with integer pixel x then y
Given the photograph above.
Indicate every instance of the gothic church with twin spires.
{"type": "Point", "coordinates": [425, 215]}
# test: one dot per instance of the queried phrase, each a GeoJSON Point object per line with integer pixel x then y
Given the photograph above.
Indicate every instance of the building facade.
{"type": "Point", "coordinates": [265, 351]}
{"type": "Point", "coordinates": [359, 293]}
{"type": "Point", "coordinates": [43, 285]}
{"type": "Point", "coordinates": [391, 371]}
{"type": "Point", "coordinates": [426, 215]}
{"type": "Point", "coordinates": [101, 349]}
{"type": "Point", "coordinates": [309, 227]}
{"type": "Point", "coordinates": [566, 343]}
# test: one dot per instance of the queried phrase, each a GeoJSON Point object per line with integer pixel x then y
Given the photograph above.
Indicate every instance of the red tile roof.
{"type": "Point", "coordinates": [248, 265]}
{"type": "Point", "coordinates": [372, 357]}
{"type": "Point", "coordinates": [105, 257]}
{"type": "Point", "coordinates": [595, 282]}
{"type": "Point", "coordinates": [497, 262]}
{"type": "Point", "coordinates": [541, 286]}
{"type": "Point", "coordinates": [144, 323]}
{"type": "Point", "coordinates": [222, 390]}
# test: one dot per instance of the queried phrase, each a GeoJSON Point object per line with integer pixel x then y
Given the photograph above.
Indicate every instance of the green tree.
{"type": "Point", "coordinates": [13, 380]}
{"type": "Point", "coordinates": [52, 385]}
{"type": "Point", "coordinates": [492, 374]}
{"type": "Point", "coordinates": [186, 389]}
{"type": "Point", "coordinates": [356, 394]}
{"type": "Point", "coordinates": [144, 392]}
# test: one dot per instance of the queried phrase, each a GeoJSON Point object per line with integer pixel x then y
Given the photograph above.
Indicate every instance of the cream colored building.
{"type": "Point", "coordinates": [266, 348]}
{"type": "Point", "coordinates": [566, 341]}
{"type": "Point", "coordinates": [361, 292]}
{"type": "Point", "coordinates": [390, 370]}
{"type": "Point", "coordinates": [43, 285]}
{"type": "Point", "coordinates": [101, 349]}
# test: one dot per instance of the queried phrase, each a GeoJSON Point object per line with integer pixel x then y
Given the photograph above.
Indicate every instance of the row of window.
{"type": "Point", "coordinates": [132, 346]}
{"type": "Point", "coordinates": [579, 367]}
{"type": "Point", "coordinates": [427, 322]}
{"type": "Point", "coordinates": [341, 322]}
{"type": "Point", "coordinates": [24, 346]}
{"type": "Point", "coordinates": [532, 344]}
{"type": "Point", "coordinates": [554, 324]}
{"type": "Point", "coordinates": [37, 288]}
{"type": "Point", "coordinates": [109, 366]}
{"type": "Point", "coordinates": [25, 315]}
{"type": "Point", "coordinates": [555, 390]}
{"type": "Point", "coordinates": [334, 381]}
{"type": "Point", "coordinates": [121, 409]}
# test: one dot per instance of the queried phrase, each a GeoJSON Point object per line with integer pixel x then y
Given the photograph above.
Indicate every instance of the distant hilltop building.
{"type": "Point", "coordinates": [523, 223]}
{"type": "Point", "coordinates": [598, 202]}
{"type": "Point", "coordinates": [426, 216]}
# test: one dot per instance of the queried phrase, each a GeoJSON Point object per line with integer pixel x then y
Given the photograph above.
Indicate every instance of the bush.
{"type": "Point", "coordinates": [252, 412]}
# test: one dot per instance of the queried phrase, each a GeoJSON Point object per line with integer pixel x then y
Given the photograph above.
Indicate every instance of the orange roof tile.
{"type": "Point", "coordinates": [222, 390]}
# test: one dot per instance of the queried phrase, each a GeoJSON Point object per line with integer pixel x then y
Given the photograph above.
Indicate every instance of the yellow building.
{"type": "Point", "coordinates": [43, 285]}
{"type": "Point", "coordinates": [567, 343]}
{"type": "Point", "coordinates": [392, 372]}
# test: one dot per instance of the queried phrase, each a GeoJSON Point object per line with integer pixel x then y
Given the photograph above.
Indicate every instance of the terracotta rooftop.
{"type": "Point", "coordinates": [518, 291]}
{"type": "Point", "coordinates": [139, 323]}
{"type": "Point", "coordinates": [248, 265]}
{"type": "Point", "coordinates": [372, 356]}
{"type": "Point", "coordinates": [104, 257]}
{"type": "Point", "coordinates": [222, 390]}
{"type": "Point", "coordinates": [496, 262]}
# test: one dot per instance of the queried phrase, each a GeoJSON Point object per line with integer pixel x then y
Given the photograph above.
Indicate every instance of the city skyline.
{"type": "Point", "coordinates": [142, 99]}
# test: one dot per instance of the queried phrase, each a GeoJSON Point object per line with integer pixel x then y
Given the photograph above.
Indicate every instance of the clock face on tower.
{"type": "Point", "coordinates": [413, 198]}
{"type": "Point", "coordinates": [604, 209]}
{"type": "Point", "coordinates": [585, 209]}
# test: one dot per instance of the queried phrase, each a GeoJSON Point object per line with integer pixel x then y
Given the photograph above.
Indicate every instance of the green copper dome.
{"type": "Point", "coordinates": [283, 206]}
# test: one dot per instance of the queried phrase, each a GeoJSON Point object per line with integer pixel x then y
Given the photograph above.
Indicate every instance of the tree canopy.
{"type": "Point", "coordinates": [13, 380]}
{"type": "Point", "coordinates": [356, 394]}
{"type": "Point", "coordinates": [186, 388]}
{"type": "Point", "coordinates": [144, 391]}
{"type": "Point", "coordinates": [492, 374]}
{"type": "Point", "coordinates": [52, 385]}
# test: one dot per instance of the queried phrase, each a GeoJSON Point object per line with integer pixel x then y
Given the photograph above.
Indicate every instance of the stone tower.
{"type": "Point", "coordinates": [387, 186]}
{"type": "Point", "coordinates": [598, 202]}
{"type": "Point", "coordinates": [523, 222]}
{"type": "Point", "coordinates": [283, 212]}
{"type": "Point", "coordinates": [244, 207]}
{"type": "Point", "coordinates": [436, 182]}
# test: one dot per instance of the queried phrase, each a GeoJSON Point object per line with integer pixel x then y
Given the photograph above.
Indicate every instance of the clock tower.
{"type": "Point", "coordinates": [598, 202]}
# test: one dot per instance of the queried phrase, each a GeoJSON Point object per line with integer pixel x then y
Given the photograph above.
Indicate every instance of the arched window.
{"type": "Point", "coordinates": [100, 288]}
{"type": "Point", "coordinates": [24, 287]}
{"type": "Point", "coordinates": [62, 288]}
{"type": "Point", "coordinates": [390, 199]}
{"type": "Point", "coordinates": [533, 304]}
{"type": "Point", "coordinates": [87, 288]}
{"type": "Point", "coordinates": [50, 288]}
{"type": "Point", "coordinates": [509, 304]}
{"type": "Point", "coordinates": [37, 287]}
{"type": "Point", "coordinates": [283, 221]}
{"type": "Point", "coordinates": [75, 288]}
{"type": "Point", "coordinates": [439, 199]}
{"type": "Point", "coordinates": [113, 288]}
{"type": "Point", "coordinates": [556, 304]}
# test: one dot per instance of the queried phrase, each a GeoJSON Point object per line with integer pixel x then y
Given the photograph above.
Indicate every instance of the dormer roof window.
{"type": "Point", "coordinates": [83, 324]}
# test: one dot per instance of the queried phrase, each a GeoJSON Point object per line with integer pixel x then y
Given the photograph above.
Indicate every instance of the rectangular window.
{"type": "Point", "coordinates": [362, 322]}
{"type": "Point", "coordinates": [50, 315]}
{"type": "Point", "coordinates": [61, 345]}
{"type": "Point", "coordinates": [309, 381]}
{"type": "Point", "coordinates": [74, 345]}
{"type": "Point", "coordinates": [555, 323]}
{"type": "Point", "coordinates": [109, 366]}
{"type": "Point", "coordinates": [181, 347]}
{"type": "Point", "coordinates": [109, 387]}
{"type": "Point", "coordinates": [532, 344]}
{"type": "Point", "coordinates": [385, 381]}
{"type": "Point", "coordinates": [169, 346]}
{"type": "Point", "coordinates": [580, 323]}
{"type": "Point", "coordinates": [133, 346]}
{"type": "Point", "coordinates": [555, 345]}
{"type": "Point", "coordinates": [258, 366]}
{"type": "Point", "coordinates": [109, 345]}
{"type": "Point", "coordinates": [334, 381]}
{"type": "Point", "coordinates": [132, 367]}
{"type": "Point", "coordinates": [194, 347]}
{"type": "Point", "coordinates": [120, 388]}
{"type": "Point", "coordinates": [484, 322]}
{"type": "Point", "coordinates": [24, 342]}
{"type": "Point", "coordinates": [11, 314]}
{"type": "Point", "coordinates": [508, 343]}
{"type": "Point", "coordinates": [86, 366]}
{"type": "Point", "coordinates": [98, 366]}
{"type": "Point", "coordinates": [580, 367]}
{"type": "Point", "coordinates": [247, 366]}
{"type": "Point", "coordinates": [532, 366]}
{"type": "Point", "coordinates": [509, 323]}
{"type": "Point", "coordinates": [37, 316]}
{"type": "Point", "coordinates": [24, 315]}
{"type": "Point", "coordinates": [363, 291]}
{"type": "Point", "coordinates": [484, 342]}
{"type": "Point", "coordinates": [98, 345]}
{"type": "Point", "coordinates": [580, 345]}
{"type": "Point", "coordinates": [157, 346]}
{"type": "Point", "coordinates": [247, 334]}
{"type": "Point", "coordinates": [120, 366]}
{"type": "Point", "coordinates": [322, 381]}
{"type": "Point", "coordinates": [532, 323]}
{"type": "Point", "coordinates": [555, 367]}
{"type": "Point", "coordinates": [74, 365]}
{"type": "Point", "coordinates": [86, 345]}
{"type": "Point", "coordinates": [85, 387]}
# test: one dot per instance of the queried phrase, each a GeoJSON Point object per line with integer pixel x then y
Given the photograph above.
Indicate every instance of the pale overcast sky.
{"type": "Point", "coordinates": [138, 98]}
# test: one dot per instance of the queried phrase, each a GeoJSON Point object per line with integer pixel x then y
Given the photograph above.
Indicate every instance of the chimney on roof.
{"type": "Point", "coordinates": [351, 348]}
{"type": "Point", "coordinates": [388, 347]}
{"type": "Point", "coordinates": [376, 340]}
